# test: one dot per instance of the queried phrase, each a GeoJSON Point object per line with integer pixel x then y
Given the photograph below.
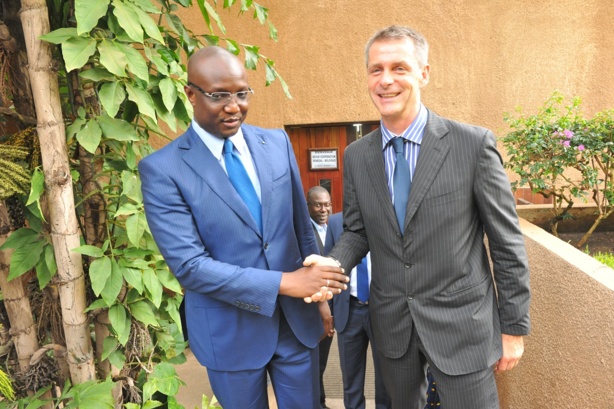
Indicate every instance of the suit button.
{"type": "Point", "coordinates": [266, 246]}
{"type": "Point", "coordinates": [410, 297]}
{"type": "Point", "coordinates": [407, 265]}
{"type": "Point", "coordinates": [238, 303]}
{"type": "Point", "coordinates": [257, 308]}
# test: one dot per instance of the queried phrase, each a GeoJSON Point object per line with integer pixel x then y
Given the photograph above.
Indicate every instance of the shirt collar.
{"type": "Point", "coordinates": [216, 145]}
{"type": "Point", "coordinates": [413, 133]}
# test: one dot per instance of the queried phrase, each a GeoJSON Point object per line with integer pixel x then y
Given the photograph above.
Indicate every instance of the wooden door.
{"type": "Point", "coordinates": [319, 153]}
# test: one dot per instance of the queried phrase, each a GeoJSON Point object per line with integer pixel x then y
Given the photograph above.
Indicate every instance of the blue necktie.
{"type": "Point", "coordinates": [241, 182]}
{"type": "Point", "coordinates": [401, 183]}
{"type": "Point", "coordinates": [362, 281]}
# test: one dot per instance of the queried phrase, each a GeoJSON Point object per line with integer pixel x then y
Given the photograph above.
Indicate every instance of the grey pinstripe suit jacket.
{"type": "Point", "coordinates": [437, 276]}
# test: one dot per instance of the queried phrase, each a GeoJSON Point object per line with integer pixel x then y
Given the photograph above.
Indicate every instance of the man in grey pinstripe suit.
{"type": "Point", "coordinates": [434, 298]}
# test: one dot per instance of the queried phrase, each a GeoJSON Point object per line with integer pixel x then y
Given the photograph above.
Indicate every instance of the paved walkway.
{"type": "Point", "coordinates": [197, 383]}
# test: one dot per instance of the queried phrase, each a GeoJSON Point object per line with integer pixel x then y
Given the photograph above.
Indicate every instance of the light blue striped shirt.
{"type": "Point", "coordinates": [413, 134]}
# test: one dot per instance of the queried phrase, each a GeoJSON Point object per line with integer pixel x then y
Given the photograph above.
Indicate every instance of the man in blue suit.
{"type": "Point", "coordinates": [226, 207]}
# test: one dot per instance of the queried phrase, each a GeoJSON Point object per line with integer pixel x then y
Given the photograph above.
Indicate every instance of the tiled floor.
{"type": "Point", "coordinates": [197, 384]}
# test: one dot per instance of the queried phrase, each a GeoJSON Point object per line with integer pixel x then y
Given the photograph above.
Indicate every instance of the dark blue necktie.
{"type": "Point", "coordinates": [362, 281]}
{"type": "Point", "coordinates": [401, 183]}
{"type": "Point", "coordinates": [242, 183]}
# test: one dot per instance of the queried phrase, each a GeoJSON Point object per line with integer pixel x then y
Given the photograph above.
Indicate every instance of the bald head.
{"type": "Point", "coordinates": [213, 61]}
{"type": "Point", "coordinates": [216, 70]}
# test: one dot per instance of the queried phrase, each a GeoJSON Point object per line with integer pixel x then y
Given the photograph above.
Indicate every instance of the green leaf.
{"type": "Point", "coordinates": [25, 258]}
{"type": "Point", "coordinates": [168, 280]}
{"type": "Point", "coordinates": [260, 12]}
{"type": "Point", "coordinates": [134, 278]}
{"type": "Point", "coordinates": [153, 285]}
{"type": "Point", "coordinates": [22, 237]}
{"type": "Point", "coordinates": [109, 345]}
{"type": "Point", "coordinates": [142, 311]}
{"type": "Point", "coordinates": [88, 13]}
{"type": "Point", "coordinates": [60, 35]}
{"type": "Point", "coordinates": [50, 260]}
{"type": "Point", "coordinates": [205, 14]}
{"type": "Point", "coordinates": [166, 379]}
{"type": "Point", "coordinates": [100, 271]}
{"type": "Point", "coordinates": [135, 227]}
{"type": "Point", "coordinates": [164, 114]}
{"type": "Point", "coordinates": [112, 94]}
{"type": "Point", "coordinates": [169, 93]}
{"type": "Point", "coordinates": [91, 394]}
{"type": "Point", "coordinates": [112, 58]}
{"type": "Point", "coordinates": [216, 17]}
{"type": "Point", "coordinates": [116, 129]}
{"type": "Point", "coordinates": [98, 304]}
{"type": "Point", "coordinates": [131, 185]}
{"type": "Point", "coordinates": [88, 250]}
{"type": "Point", "coordinates": [126, 209]}
{"type": "Point", "coordinates": [37, 186]}
{"type": "Point", "coordinates": [150, 27]}
{"type": "Point", "coordinates": [77, 51]}
{"type": "Point", "coordinates": [142, 99]}
{"type": "Point", "coordinates": [251, 56]}
{"type": "Point", "coordinates": [118, 316]}
{"type": "Point", "coordinates": [136, 62]}
{"type": "Point", "coordinates": [272, 32]}
{"type": "Point", "coordinates": [127, 19]}
{"type": "Point", "coordinates": [152, 404]}
{"type": "Point", "coordinates": [117, 359]}
{"type": "Point", "coordinates": [72, 129]}
{"type": "Point", "coordinates": [97, 74]}
{"type": "Point", "coordinates": [113, 285]}
{"type": "Point", "coordinates": [157, 60]}
{"type": "Point", "coordinates": [232, 46]}
{"type": "Point", "coordinates": [43, 274]}
{"type": "Point", "coordinates": [146, 6]}
{"type": "Point", "coordinates": [89, 136]}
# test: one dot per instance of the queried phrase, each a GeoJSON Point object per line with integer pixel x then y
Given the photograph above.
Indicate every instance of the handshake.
{"type": "Point", "coordinates": [319, 280]}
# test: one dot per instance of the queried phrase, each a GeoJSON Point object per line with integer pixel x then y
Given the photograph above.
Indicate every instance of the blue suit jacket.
{"type": "Point", "coordinates": [231, 272]}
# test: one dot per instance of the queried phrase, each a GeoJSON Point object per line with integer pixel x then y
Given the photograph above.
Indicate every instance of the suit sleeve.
{"type": "Point", "coordinates": [352, 245]}
{"type": "Point", "coordinates": [497, 210]}
{"type": "Point", "coordinates": [174, 229]}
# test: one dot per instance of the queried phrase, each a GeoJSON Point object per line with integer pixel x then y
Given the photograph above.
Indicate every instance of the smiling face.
{"type": "Point", "coordinates": [394, 80]}
{"type": "Point", "coordinates": [216, 70]}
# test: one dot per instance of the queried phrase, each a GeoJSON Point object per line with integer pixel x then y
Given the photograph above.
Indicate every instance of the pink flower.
{"type": "Point", "coordinates": [568, 133]}
{"type": "Point", "coordinates": [565, 143]}
{"type": "Point", "coordinates": [581, 147]}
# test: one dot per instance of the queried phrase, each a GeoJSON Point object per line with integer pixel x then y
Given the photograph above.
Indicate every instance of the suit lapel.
{"type": "Point", "coordinates": [433, 151]}
{"type": "Point", "coordinates": [377, 173]}
{"type": "Point", "coordinates": [200, 158]}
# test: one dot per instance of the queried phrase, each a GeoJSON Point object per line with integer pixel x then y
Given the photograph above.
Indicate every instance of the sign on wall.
{"type": "Point", "coordinates": [323, 159]}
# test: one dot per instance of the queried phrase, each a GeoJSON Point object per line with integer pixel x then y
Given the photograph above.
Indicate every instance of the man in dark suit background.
{"type": "Point", "coordinates": [226, 207]}
{"type": "Point", "coordinates": [319, 206]}
{"type": "Point", "coordinates": [421, 193]}
{"type": "Point", "coordinates": [354, 333]}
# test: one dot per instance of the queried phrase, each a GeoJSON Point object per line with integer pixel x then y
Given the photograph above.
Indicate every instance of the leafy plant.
{"type": "Point", "coordinates": [121, 71]}
{"type": "Point", "coordinates": [605, 258]}
{"type": "Point", "coordinates": [561, 155]}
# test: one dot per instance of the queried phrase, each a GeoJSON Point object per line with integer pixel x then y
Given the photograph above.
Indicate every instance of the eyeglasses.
{"type": "Point", "coordinates": [224, 98]}
{"type": "Point", "coordinates": [319, 206]}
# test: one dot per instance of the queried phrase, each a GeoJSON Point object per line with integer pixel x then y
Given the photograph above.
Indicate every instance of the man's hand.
{"type": "Point", "coordinates": [513, 348]}
{"type": "Point", "coordinates": [325, 293]}
{"type": "Point", "coordinates": [327, 320]}
{"type": "Point", "coordinates": [307, 281]}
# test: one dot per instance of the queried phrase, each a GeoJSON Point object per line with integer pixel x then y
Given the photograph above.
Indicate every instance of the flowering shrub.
{"type": "Point", "coordinates": [561, 155]}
